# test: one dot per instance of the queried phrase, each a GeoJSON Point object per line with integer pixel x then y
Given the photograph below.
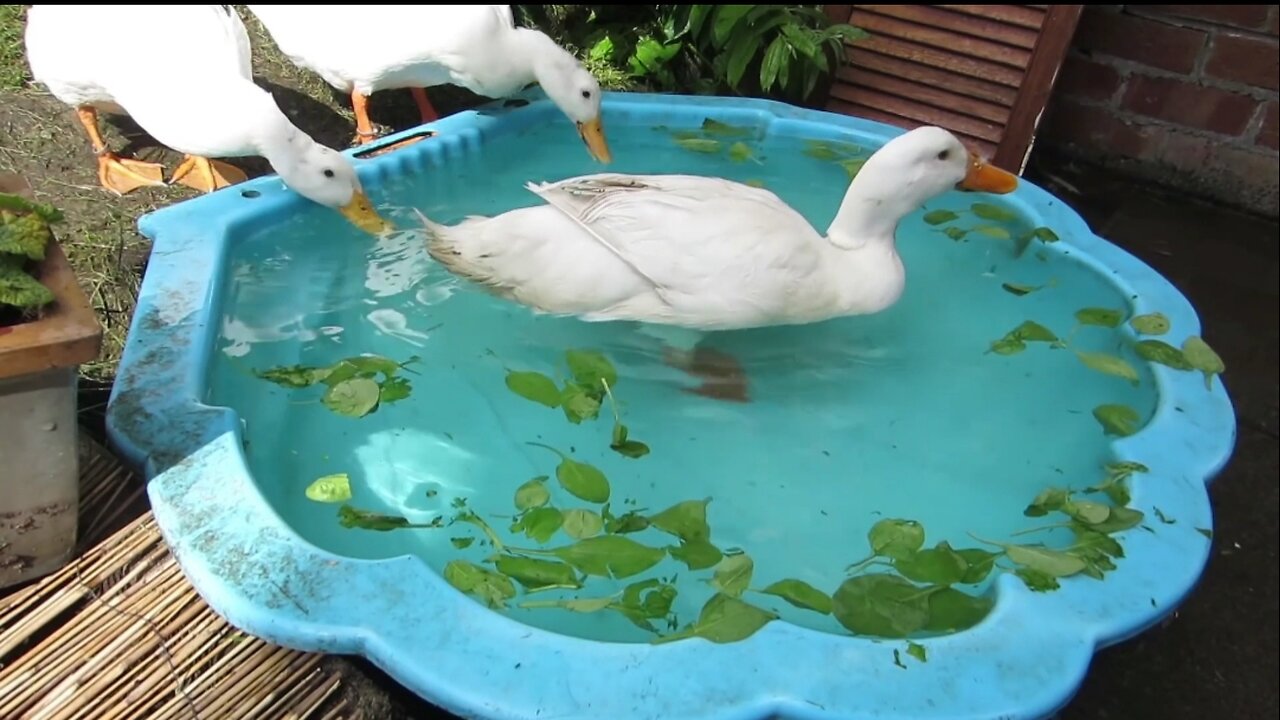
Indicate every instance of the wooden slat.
{"type": "Point", "coordinates": [933, 57]}
{"type": "Point", "coordinates": [940, 37]}
{"type": "Point", "coordinates": [985, 72]}
{"type": "Point", "coordinates": [1027, 16]}
{"type": "Point", "coordinates": [978, 88]}
{"type": "Point", "coordinates": [973, 25]}
{"type": "Point", "coordinates": [909, 90]}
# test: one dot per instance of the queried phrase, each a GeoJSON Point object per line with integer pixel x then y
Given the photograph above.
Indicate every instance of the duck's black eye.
{"type": "Point", "coordinates": [944, 155]}
{"type": "Point", "coordinates": [328, 173]}
{"type": "Point", "coordinates": [586, 94]}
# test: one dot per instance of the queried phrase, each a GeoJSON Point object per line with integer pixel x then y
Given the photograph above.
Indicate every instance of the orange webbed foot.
{"type": "Point", "coordinates": [207, 175]}
{"type": "Point", "coordinates": [122, 176]}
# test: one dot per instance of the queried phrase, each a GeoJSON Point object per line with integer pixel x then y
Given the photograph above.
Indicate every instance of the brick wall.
{"type": "Point", "coordinates": [1183, 95]}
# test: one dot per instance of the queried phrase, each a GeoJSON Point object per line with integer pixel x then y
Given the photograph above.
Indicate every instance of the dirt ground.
{"type": "Point", "coordinates": [41, 139]}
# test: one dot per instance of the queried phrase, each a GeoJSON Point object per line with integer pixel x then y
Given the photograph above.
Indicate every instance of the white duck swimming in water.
{"type": "Point", "coordinates": [477, 47]}
{"type": "Point", "coordinates": [200, 101]}
{"type": "Point", "coordinates": [704, 253]}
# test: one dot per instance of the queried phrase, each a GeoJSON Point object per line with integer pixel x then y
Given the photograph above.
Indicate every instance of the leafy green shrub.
{"type": "Point", "coordinates": [784, 52]}
{"type": "Point", "coordinates": [24, 236]}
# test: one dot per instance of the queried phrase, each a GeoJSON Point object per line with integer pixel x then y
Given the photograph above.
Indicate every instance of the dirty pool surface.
{"type": "Point", "coordinates": [948, 410]}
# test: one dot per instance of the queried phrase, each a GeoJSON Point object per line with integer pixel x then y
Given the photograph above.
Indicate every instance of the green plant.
{"type": "Point", "coordinates": [24, 236]}
{"type": "Point", "coordinates": [778, 51]}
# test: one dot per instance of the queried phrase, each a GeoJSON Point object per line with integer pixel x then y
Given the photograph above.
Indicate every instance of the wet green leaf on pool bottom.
{"type": "Point", "coordinates": [1037, 581]}
{"type": "Point", "coordinates": [917, 651]}
{"type": "Point", "coordinates": [724, 619]}
{"type": "Point", "coordinates": [394, 390]}
{"type": "Point", "coordinates": [1015, 341]}
{"type": "Point", "coordinates": [733, 575]}
{"type": "Point", "coordinates": [1047, 501]}
{"type": "Point", "coordinates": [1203, 358]}
{"type": "Point", "coordinates": [686, 520]}
{"type": "Point", "coordinates": [987, 211]}
{"type": "Point", "coordinates": [952, 611]}
{"type": "Point", "coordinates": [740, 152]}
{"type": "Point", "coordinates": [1150, 324]}
{"type": "Point", "coordinates": [937, 217]}
{"type": "Point", "coordinates": [532, 494]}
{"type": "Point", "coordinates": [895, 538]}
{"type": "Point", "coordinates": [355, 397]}
{"type": "Point", "coordinates": [800, 594]}
{"type": "Point", "coordinates": [1117, 420]}
{"type": "Point", "coordinates": [696, 554]}
{"type": "Point", "coordinates": [939, 565]}
{"type": "Point", "coordinates": [993, 231]}
{"type": "Point", "coordinates": [880, 605]}
{"type": "Point", "coordinates": [581, 524]}
{"type": "Point", "coordinates": [493, 588]}
{"type": "Point", "coordinates": [1020, 289]}
{"type": "Point", "coordinates": [534, 386]}
{"type": "Point", "coordinates": [539, 523]}
{"type": "Point", "coordinates": [535, 574]}
{"type": "Point", "coordinates": [462, 543]}
{"type": "Point", "coordinates": [607, 556]}
{"type": "Point", "coordinates": [591, 369]}
{"type": "Point", "coordinates": [701, 145]}
{"type": "Point", "coordinates": [1101, 317]}
{"type": "Point", "coordinates": [1158, 351]}
{"type": "Point", "coordinates": [1110, 365]}
{"type": "Point", "coordinates": [578, 605]}
{"type": "Point", "coordinates": [330, 488]}
{"type": "Point", "coordinates": [853, 166]}
{"type": "Point", "coordinates": [1041, 559]}
{"type": "Point", "coordinates": [350, 517]}
{"type": "Point", "coordinates": [294, 376]}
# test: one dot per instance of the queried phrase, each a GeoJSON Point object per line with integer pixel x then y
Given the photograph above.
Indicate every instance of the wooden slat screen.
{"type": "Point", "coordinates": [984, 72]}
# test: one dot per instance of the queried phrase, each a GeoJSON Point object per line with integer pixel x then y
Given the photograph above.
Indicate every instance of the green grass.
{"type": "Point", "coordinates": [13, 63]}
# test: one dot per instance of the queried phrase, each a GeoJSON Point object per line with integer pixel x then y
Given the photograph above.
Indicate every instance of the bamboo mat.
{"type": "Point", "coordinates": [118, 633]}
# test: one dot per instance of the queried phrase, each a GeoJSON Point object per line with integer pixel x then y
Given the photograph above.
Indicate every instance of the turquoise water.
{"type": "Point", "coordinates": [900, 415]}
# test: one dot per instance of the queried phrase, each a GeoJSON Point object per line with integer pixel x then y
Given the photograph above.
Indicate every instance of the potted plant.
{"type": "Point", "coordinates": [47, 330]}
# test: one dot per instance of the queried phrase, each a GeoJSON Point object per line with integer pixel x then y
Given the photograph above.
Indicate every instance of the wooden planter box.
{"type": "Point", "coordinates": [39, 459]}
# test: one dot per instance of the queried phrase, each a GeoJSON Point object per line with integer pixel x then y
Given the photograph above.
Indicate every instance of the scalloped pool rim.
{"type": "Point", "coordinates": [1025, 661]}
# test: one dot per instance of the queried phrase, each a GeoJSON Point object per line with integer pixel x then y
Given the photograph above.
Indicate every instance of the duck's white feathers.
{"type": "Point", "coordinates": [685, 250]}
{"type": "Point", "coordinates": [410, 46]}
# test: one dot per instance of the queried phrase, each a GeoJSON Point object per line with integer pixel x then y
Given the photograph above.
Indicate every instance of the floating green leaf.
{"type": "Point", "coordinates": [1019, 289]}
{"type": "Point", "coordinates": [1158, 351]}
{"type": "Point", "coordinates": [350, 517]}
{"type": "Point", "coordinates": [979, 564]}
{"type": "Point", "coordinates": [532, 494]}
{"type": "Point", "coordinates": [1120, 519]}
{"type": "Point", "coordinates": [1150, 324]}
{"type": "Point", "coordinates": [355, 397]}
{"type": "Point", "coordinates": [1008, 346]}
{"type": "Point", "coordinates": [896, 538]}
{"type": "Point", "coordinates": [917, 651]}
{"type": "Point", "coordinates": [987, 211]}
{"type": "Point", "coordinates": [591, 369]}
{"type": "Point", "coordinates": [582, 480]}
{"type": "Point", "coordinates": [534, 386]}
{"type": "Point", "coordinates": [1202, 357]}
{"type": "Point", "coordinates": [955, 233]}
{"type": "Point", "coordinates": [733, 575]}
{"type": "Point", "coordinates": [579, 605]}
{"type": "Point", "coordinates": [951, 610]}
{"type": "Point", "coordinates": [853, 166]}
{"type": "Point", "coordinates": [740, 152]}
{"type": "Point", "coordinates": [625, 446]}
{"type": "Point", "coordinates": [940, 565]}
{"type": "Point", "coordinates": [462, 543]}
{"type": "Point", "coordinates": [628, 522]}
{"type": "Point", "coordinates": [993, 231]}
{"type": "Point", "coordinates": [1035, 580]}
{"type": "Point", "coordinates": [724, 619]}
{"type": "Point", "coordinates": [330, 489]}
{"type": "Point", "coordinates": [581, 524]}
{"type": "Point", "coordinates": [1164, 519]}
{"type": "Point", "coordinates": [1044, 560]}
{"type": "Point", "coordinates": [937, 217]}
{"type": "Point", "coordinates": [715, 127]}
{"type": "Point", "coordinates": [1045, 235]}
{"type": "Point", "coordinates": [535, 574]}
{"type": "Point", "coordinates": [702, 145]}
{"type": "Point", "coordinates": [491, 587]}
{"type": "Point", "coordinates": [1032, 331]}
{"type": "Point", "coordinates": [579, 403]}
{"type": "Point", "coordinates": [801, 594]}
{"type": "Point", "coordinates": [606, 556]}
{"type": "Point", "coordinates": [645, 601]}
{"type": "Point", "coordinates": [1206, 532]}
{"type": "Point", "coordinates": [1109, 364]}
{"type": "Point", "coordinates": [539, 524]}
{"type": "Point", "coordinates": [294, 376]}
{"type": "Point", "coordinates": [880, 605]}
{"type": "Point", "coordinates": [1047, 501]}
{"type": "Point", "coordinates": [1102, 317]}
{"type": "Point", "coordinates": [696, 554]}
{"type": "Point", "coordinates": [1118, 420]}
{"type": "Point", "coordinates": [394, 390]}
{"type": "Point", "coordinates": [686, 520]}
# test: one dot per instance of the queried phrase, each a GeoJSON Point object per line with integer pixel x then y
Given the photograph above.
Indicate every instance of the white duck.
{"type": "Point", "coordinates": [201, 101]}
{"type": "Point", "coordinates": [477, 47]}
{"type": "Point", "coordinates": [704, 253]}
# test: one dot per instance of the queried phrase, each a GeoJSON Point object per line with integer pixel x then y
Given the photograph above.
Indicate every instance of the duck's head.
{"type": "Point", "coordinates": [325, 176]}
{"type": "Point", "coordinates": [573, 89]}
{"type": "Point", "coordinates": [929, 161]}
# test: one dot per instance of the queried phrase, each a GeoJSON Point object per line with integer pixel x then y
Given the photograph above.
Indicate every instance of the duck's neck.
{"type": "Point", "coordinates": [537, 57]}
{"type": "Point", "coordinates": [274, 136]}
{"type": "Point", "coordinates": [871, 210]}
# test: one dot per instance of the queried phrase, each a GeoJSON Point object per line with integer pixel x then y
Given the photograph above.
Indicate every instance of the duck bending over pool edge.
{"type": "Point", "coordinates": [704, 253]}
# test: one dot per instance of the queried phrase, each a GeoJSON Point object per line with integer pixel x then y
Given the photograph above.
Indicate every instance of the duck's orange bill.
{"type": "Point", "coordinates": [984, 177]}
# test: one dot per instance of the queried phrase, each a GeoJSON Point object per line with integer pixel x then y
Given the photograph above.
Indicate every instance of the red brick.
{"type": "Point", "coordinates": [1188, 104]}
{"type": "Point", "coordinates": [1252, 17]}
{"type": "Point", "coordinates": [1096, 131]}
{"type": "Point", "coordinates": [1087, 79]}
{"type": "Point", "coordinates": [1269, 133]}
{"type": "Point", "coordinates": [1141, 40]}
{"type": "Point", "coordinates": [1247, 60]}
